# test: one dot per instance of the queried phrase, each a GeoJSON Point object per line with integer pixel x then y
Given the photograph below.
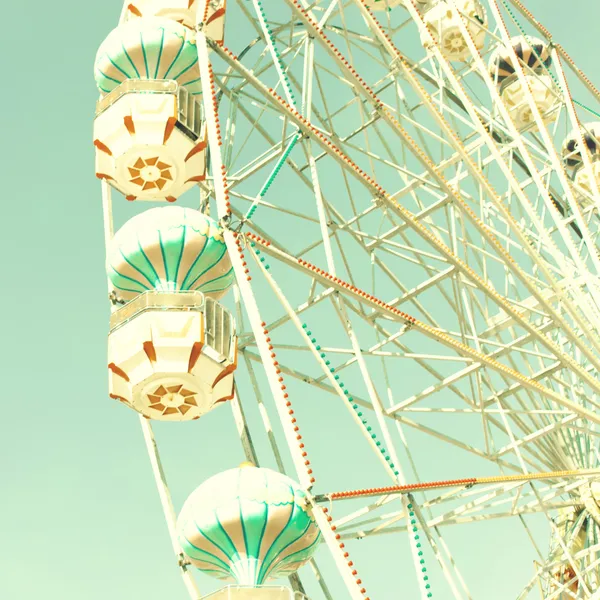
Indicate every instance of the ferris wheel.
{"type": "Point", "coordinates": [392, 260]}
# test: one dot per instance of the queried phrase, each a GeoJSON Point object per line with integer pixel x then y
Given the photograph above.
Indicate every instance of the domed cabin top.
{"type": "Point", "coordinates": [533, 53]}
{"type": "Point", "coordinates": [571, 152]}
{"type": "Point", "coordinates": [169, 249]}
{"type": "Point", "coordinates": [150, 48]}
{"type": "Point", "coordinates": [249, 524]}
{"type": "Point", "coordinates": [444, 23]}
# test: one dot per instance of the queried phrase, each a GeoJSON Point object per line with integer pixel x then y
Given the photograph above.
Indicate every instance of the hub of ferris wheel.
{"type": "Point", "coordinates": [173, 347]}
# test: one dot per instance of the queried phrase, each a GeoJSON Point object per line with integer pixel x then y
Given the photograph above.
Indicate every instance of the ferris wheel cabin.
{"type": "Point", "coordinates": [252, 525]}
{"type": "Point", "coordinates": [534, 58]}
{"type": "Point", "coordinates": [172, 348]}
{"type": "Point", "coordinates": [444, 24]}
{"type": "Point", "coordinates": [149, 133]}
{"type": "Point", "coordinates": [172, 355]}
{"type": "Point", "coordinates": [150, 140]}
{"type": "Point", "coordinates": [573, 159]}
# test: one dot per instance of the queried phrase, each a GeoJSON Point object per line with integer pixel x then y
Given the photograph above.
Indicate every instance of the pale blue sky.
{"type": "Point", "coordinates": [79, 514]}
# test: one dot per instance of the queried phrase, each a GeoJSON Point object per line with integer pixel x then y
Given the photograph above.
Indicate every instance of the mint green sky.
{"type": "Point", "coordinates": [79, 515]}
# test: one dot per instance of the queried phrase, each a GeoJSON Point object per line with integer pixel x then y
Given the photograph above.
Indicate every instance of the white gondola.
{"type": "Point", "coordinates": [148, 131]}
{"type": "Point", "coordinates": [573, 160]}
{"type": "Point", "coordinates": [150, 140]}
{"type": "Point", "coordinates": [172, 355]}
{"type": "Point", "coordinates": [535, 60]}
{"type": "Point", "coordinates": [443, 22]}
{"type": "Point", "coordinates": [172, 349]}
{"type": "Point", "coordinates": [267, 521]}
